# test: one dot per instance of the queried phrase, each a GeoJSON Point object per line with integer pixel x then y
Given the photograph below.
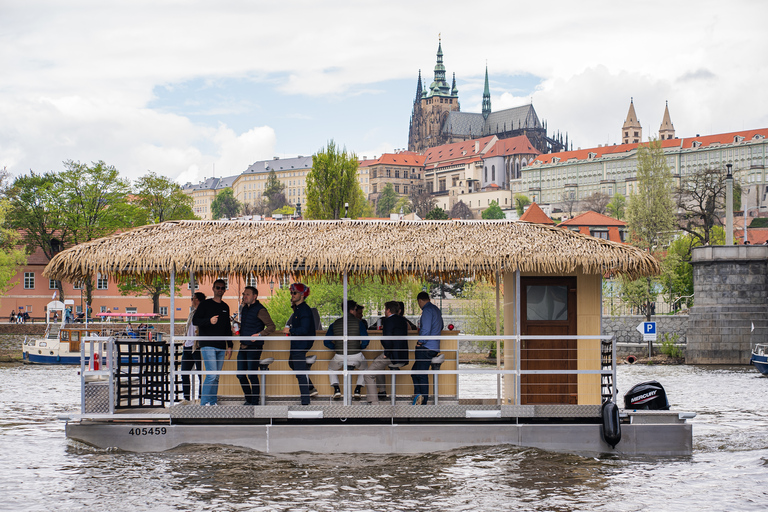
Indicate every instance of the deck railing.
{"type": "Point", "coordinates": [143, 375]}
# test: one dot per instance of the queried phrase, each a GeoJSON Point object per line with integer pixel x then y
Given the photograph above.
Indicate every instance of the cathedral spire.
{"type": "Point", "coordinates": [418, 88]}
{"type": "Point", "coordinates": [486, 96]}
{"type": "Point", "coordinates": [439, 67]}
{"type": "Point", "coordinates": [454, 90]}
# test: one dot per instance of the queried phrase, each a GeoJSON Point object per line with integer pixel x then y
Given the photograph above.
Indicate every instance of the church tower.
{"type": "Point", "coordinates": [667, 129]}
{"type": "Point", "coordinates": [431, 108]}
{"type": "Point", "coordinates": [631, 132]}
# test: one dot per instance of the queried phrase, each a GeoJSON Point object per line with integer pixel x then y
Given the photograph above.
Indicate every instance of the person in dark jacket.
{"type": "Point", "coordinates": [411, 326]}
{"type": "Point", "coordinates": [395, 351]}
{"type": "Point", "coordinates": [301, 323]}
{"type": "Point", "coordinates": [355, 327]}
{"type": "Point", "coordinates": [254, 322]}
{"type": "Point", "coordinates": [212, 321]}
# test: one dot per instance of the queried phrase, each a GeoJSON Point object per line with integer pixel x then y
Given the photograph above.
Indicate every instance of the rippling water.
{"type": "Point", "coordinates": [41, 470]}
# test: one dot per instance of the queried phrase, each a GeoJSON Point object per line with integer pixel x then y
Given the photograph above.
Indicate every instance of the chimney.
{"type": "Point", "coordinates": [477, 146]}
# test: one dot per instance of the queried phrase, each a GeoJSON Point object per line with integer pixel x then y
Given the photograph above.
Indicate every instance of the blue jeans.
{"type": "Point", "coordinates": [248, 358]}
{"type": "Point", "coordinates": [213, 359]}
{"type": "Point", "coordinates": [423, 358]}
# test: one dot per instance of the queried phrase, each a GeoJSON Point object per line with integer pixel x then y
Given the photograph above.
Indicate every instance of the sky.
{"type": "Point", "coordinates": [197, 88]}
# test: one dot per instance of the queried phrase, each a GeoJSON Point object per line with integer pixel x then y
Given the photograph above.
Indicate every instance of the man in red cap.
{"type": "Point", "coordinates": [301, 323]}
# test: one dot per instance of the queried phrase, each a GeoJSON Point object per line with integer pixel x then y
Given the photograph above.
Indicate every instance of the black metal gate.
{"type": "Point", "coordinates": [143, 373]}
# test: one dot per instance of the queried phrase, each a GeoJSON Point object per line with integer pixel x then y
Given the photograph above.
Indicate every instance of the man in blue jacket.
{"type": "Point", "coordinates": [431, 324]}
{"type": "Point", "coordinates": [254, 322]}
{"type": "Point", "coordinates": [301, 323]}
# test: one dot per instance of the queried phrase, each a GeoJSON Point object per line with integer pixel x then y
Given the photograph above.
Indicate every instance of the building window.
{"type": "Point", "coordinates": [405, 189]}
{"type": "Point", "coordinates": [164, 310]}
{"type": "Point", "coordinates": [131, 310]}
{"type": "Point", "coordinates": [189, 285]}
{"type": "Point", "coordinates": [493, 173]}
{"type": "Point", "coordinates": [101, 282]}
{"type": "Point", "coordinates": [78, 285]}
{"type": "Point", "coordinates": [252, 281]}
{"type": "Point", "coordinates": [599, 233]}
{"type": "Point", "coordinates": [53, 284]}
{"type": "Point", "coordinates": [389, 173]}
{"type": "Point", "coordinates": [29, 280]}
{"type": "Point", "coordinates": [397, 189]}
{"type": "Point", "coordinates": [486, 174]}
{"type": "Point", "coordinates": [103, 309]}
{"type": "Point", "coordinates": [397, 173]}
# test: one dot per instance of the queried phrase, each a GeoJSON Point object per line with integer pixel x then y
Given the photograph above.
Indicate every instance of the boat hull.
{"type": "Point", "coordinates": [670, 439]}
{"type": "Point", "coordinates": [761, 363]}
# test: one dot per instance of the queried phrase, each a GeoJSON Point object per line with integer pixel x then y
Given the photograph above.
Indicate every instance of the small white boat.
{"type": "Point", "coordinates": [760, 358]}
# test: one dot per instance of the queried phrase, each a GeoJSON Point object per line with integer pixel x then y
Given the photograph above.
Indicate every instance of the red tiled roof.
{"type": "Point", "coordinates": [756, 236]}
{"type": "Point", "coordinates": [457, 150]}
{"type": "Point", "coordinates": [405, 158]}
{"type": "Point", "coordinates": [535, 214]}
{"type": "Point", "coordinates": [513, 146]}
{"type": "Point", "coordinates": [593, 219]}
{"type": "Point", "coordinates": [684, 143]}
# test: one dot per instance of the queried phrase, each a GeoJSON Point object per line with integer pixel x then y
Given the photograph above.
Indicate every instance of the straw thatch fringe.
{"type": "Point", "coordinates": [391, 248]}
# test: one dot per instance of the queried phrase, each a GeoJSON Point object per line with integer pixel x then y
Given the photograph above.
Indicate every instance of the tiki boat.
{"type": "Point", "coordinates": [553, 387]}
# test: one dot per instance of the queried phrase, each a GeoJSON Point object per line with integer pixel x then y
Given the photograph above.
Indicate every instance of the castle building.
{"type": "Point", "coordinates": [404, 170]}
{"type": "Point", "coordinates": [437, 119]}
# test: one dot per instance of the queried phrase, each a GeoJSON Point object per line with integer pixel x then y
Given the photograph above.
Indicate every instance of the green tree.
{"type": "Point", "coordinates": [651, 211]}
{"type": "Point", "coordinates": [521, 202]}
{"type": "Point", "coordinates": [154, 288]}
{"type": "Point", "coordinates": [617, 206]}
{"type": "Point", "coordinates": [36, 211]}
{"type": "Point", "coordinates": [163, 199]}
{"type": "Point", "coordinates": [437, 213]}
{"type": "Point", "coordinates": [481, 315]}
{"type": "Point", "coordinates": [493, 212]}
{"type": "Point", "coordinates": [274, 192]}
{"type": "Point", "coordinates": [460, 210]}
{"type": "Point", "coordinates": [225, 205]}
{"type": "Point", "coordinates": [403, 206]}
{"type": "Point", "coordinates": [387, 201]}
{"type": "Point", "coordinates": [11, 257]}
{"type": "Point", "coordinates": [96, 200]}
{"type": "Point", "coordinates": [285, 210]}
{"type": "Point", "coordinates": [332, 183]}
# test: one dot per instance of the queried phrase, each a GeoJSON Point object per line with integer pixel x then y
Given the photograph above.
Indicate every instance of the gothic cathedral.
{"type": "Point", "coordinates": [437, 119]}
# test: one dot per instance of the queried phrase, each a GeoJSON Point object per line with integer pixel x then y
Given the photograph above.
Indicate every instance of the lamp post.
{"type": "Point", "coordinates": [729, 206]}
{"type": "Point", "coordinates": [271, 286]}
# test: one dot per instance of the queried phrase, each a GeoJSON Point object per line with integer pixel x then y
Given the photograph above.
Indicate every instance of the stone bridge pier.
{"type": "Point", "coordinates": [730, 286]}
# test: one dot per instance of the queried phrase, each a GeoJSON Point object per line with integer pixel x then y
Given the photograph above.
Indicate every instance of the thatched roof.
{"type": "Point", "coordinates": [216, 248]}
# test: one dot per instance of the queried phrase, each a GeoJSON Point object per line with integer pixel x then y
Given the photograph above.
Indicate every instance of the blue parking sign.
{"type": "Point", "coordinates": [649, 327]}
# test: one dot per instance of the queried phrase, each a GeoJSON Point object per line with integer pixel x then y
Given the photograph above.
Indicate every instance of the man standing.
{"type": "Point", "coordinates": [355, 327]}
{"type": "Point", "coordinates": [254, 322]}
{"type": "Point", "coordinates": [190, 357]}
{"type": "Point", "coordinates": [212, 320]}
{"type": "Point", "coordinates": [301, 323]}
{"type": "Point", "coordinates": [431, 324]}
{"type": "Point", "coordinates": [395, 351]}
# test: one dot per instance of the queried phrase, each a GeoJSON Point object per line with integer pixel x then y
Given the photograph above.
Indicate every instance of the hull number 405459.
{"type": "Point", "coordinates": [147, 431]}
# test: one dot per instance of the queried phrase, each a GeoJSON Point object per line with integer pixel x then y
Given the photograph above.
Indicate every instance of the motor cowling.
{"type": "Point", "coordinates": [648, 395]}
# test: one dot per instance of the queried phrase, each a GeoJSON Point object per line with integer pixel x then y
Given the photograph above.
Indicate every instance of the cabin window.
{"type": "Point", "coordinates": [29, 280]}
{"type": "Point", "coordinates": [101, 282]}
{"type": "Point", "coordinates": [547, 302]}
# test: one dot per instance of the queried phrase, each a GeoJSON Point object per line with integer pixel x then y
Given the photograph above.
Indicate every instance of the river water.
{"type": "Point", "coordinates": [41, 470]}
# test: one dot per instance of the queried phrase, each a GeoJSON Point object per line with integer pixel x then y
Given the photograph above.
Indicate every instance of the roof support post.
{"type": "Point", "coordinates": [498, 342]}
{"type": "Point", "coordinates": [517, 341]}
{"type": "Point", "coordinates": [344, 313]}
{"type": "Point", "coordinates": [171, 358]}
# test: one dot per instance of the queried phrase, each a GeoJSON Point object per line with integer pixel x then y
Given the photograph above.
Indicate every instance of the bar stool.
{"type": "Point", "coordinates": [264, 366]}
{"type": "Point", "coordinates": [310, 361]}
{"type": "Point", "coordinates": [435, 365]}
{"type": "Point", "coordinates": [395, 367]}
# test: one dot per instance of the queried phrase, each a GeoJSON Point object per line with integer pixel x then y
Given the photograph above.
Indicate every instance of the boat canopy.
{"type": "Point", "coordinates": [355, 247]}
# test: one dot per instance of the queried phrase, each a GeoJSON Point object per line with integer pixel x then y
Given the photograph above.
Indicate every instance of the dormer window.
{"type": "Point", "coordinates": [592, 155]}
{"type": "Point", "coordinates": [758, 137]}
{"type": "Point", "coordinates": [696, 144]}
{"type": "Point", "coordinates": [555, 160]}
{"type": "Point", "coordinates": [738, 138]}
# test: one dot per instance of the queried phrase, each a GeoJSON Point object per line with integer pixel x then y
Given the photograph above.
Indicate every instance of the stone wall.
{"type": "Point", "coordinates": [630, 342]}
{"type": "Point", "coordinates": [730, 312]}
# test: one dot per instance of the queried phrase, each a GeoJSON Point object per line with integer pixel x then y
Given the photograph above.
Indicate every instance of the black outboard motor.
{"type": "Point", "coordinates": [647, 396]}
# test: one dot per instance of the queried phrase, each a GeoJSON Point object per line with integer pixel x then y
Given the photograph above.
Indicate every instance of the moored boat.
{"type": "Point", "coordinates": [760, 358]}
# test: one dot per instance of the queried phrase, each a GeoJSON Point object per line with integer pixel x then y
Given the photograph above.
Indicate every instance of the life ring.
{"type": "Point", "coordinates": [631, 359]}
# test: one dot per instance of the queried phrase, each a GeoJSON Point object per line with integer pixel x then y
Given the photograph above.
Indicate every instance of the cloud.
{"type": "Point", "coordinates": [699, 74]}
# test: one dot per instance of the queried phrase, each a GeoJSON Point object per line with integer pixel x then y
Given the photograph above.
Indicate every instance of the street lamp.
{"type": "Point", "coordinates": [271, 286]}
{"type": "Point", "coordinates": [729, 206]}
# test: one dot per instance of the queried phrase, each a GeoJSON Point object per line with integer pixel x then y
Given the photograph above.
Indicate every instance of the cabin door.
{"type": "Point", "coordinates": [548, 307]}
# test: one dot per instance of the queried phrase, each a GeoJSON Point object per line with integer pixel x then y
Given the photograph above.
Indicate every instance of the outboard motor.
{"type": "Point", "coordinates": [611, 424]}
{"type": "Point", "coordinates": [648, 395]}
